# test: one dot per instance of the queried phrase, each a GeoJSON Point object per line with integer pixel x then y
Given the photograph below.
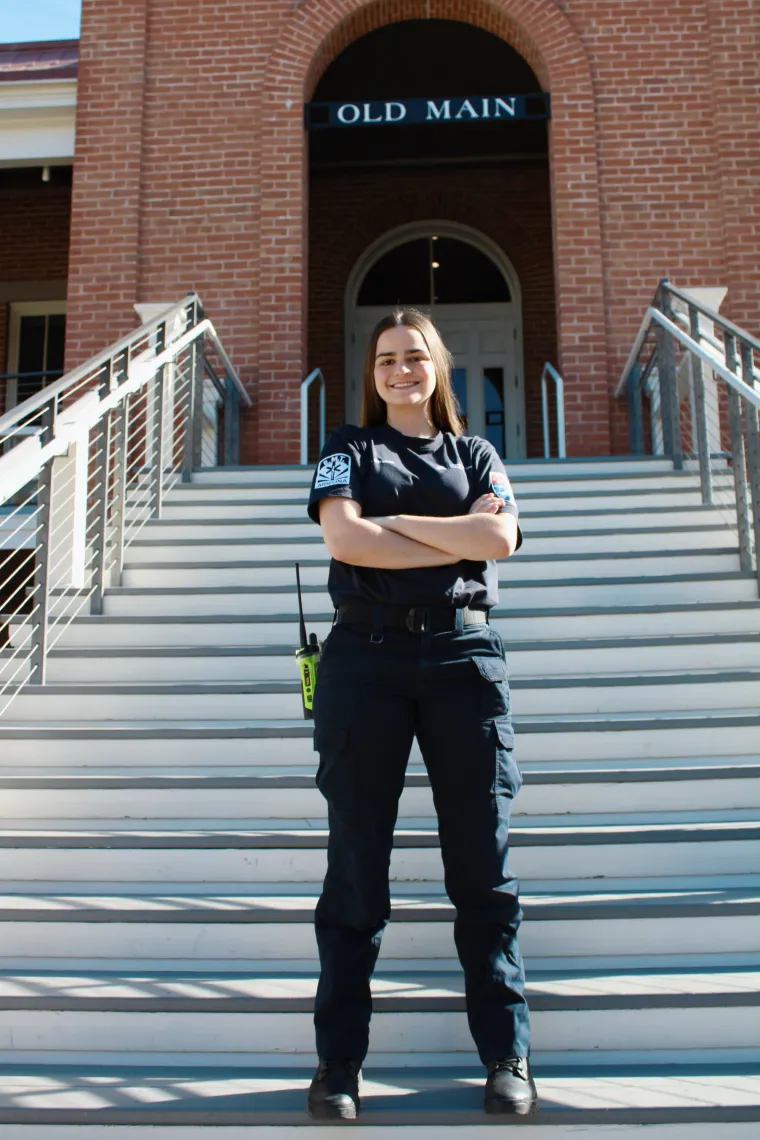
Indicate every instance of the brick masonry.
{"type": "Point", "coordinates": [190, 172]}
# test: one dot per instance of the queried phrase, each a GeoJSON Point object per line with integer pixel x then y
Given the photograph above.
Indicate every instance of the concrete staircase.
{"type": "Point", "coordinates": [162, 842]}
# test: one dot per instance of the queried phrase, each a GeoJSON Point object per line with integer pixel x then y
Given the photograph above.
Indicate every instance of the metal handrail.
{"type": "Point", "coordinates": [691, 386]}
{"type": "Point", "coordinates": [305, 385]}
{"type": "Point", "coordinates": [559, 385]}
{"type": "Point", "coordinates": [86, 462]}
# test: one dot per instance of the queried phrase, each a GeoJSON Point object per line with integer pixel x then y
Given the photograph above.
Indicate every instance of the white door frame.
{"type": "Point", "coordinates": [409, 232]}
{"type": "Point", "coordinates": [19, 309]}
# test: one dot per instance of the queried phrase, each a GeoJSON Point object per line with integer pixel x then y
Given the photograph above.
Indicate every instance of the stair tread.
{"type": "Point", "coordinates": [143, 1094]}
{"type": "Point", "coordinates": [302, 776]}
{"type": "Point", "coordinates": [293, 991]}
{"type": "Point", "coordinates": [525, 831]}
{"type": "Point", "coordinates": [175, 906]}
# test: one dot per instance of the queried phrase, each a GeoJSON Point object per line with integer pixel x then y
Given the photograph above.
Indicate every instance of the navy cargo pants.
{"type": "Point", "coordinates": [372, 697]}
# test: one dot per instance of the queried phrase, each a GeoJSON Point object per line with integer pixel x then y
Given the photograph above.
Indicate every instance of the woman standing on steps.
{"type": "Point", "coordinates": [414, 515]}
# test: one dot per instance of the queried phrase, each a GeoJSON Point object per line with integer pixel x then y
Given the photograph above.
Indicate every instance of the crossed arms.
{"type": "Point", "coordinates": [407, 542]}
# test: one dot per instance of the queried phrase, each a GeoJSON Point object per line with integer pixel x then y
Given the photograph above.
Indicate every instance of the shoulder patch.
{"type": "Point", "coordinates": [501, 486]}
{"type": "Point", "coordinates": [333, 471]}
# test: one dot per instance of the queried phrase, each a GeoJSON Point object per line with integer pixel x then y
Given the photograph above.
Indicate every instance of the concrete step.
{"type": "Point", "coordinates": [530, 500]}
{"type": "Point", "coordinates": [524, 481]}
{"type": "Point", "coordinates": [515, 625]}
{"type": "Point", "coordinates": [422, 1013]}
{"type": "Point", "coordinates": [663, 1096]}
{"type": "Point", "coordinates": [610, 540]}
{"type": "Point", "coordinates": [517, 593]}
{"type": "Point", "coordinates": [191, 742]}
{"type": "Point", "coordinates": [277, 930]}
{"type": "Point", "coordinates": [294, 850]}
{"type": "Point", "coordinates": [290, 793]}
{"type": "Point", "coordinates": [526, 659]}
{"type": "Point", "coordinates": [676, 564]}
{"type": "Point", "coordinates": [546, 518]}
{"type": "Point", "coordinates": [543, 468]}
{"type": "Point", "coordinates": [531, 697]}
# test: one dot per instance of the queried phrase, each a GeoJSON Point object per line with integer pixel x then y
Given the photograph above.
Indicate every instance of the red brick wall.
{"type": "Point", "coordinates": [34, 245]}
{"type": "Point", "coordinates": [350, 211]}
{"type": "Point", "coordinates": [190, 172]}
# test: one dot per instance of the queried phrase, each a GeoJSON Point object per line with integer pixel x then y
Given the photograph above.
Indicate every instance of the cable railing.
{"type": "Point", "coordinates": [692, 382]}
{"type": "Point", "coordinates": [88, 460]}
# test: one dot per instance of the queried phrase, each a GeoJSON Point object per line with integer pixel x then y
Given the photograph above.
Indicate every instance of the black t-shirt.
{"type": "Point", "coordinates": [389, 473]}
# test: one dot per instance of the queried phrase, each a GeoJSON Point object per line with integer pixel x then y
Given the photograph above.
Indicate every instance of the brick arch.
{"type": "Point", "coordinates": [543, 35]}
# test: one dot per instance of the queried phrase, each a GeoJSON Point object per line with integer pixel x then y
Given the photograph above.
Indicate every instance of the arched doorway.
{"type": "Point", "coordinates": [471, 291]}
{"type": "Point", "coordinates": [570, 302]}
{"type": "Point", "coordinates": [380, 197]}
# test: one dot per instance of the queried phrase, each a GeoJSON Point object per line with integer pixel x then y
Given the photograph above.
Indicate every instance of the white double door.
{"type": "Point", "coordinates": [485, 343]}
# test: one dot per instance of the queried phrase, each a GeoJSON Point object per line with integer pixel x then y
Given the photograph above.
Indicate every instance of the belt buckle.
{"type": "Point", "coordinates": [411, 619]}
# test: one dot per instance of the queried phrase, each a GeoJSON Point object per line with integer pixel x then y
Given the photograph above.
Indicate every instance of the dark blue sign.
{"type": "Point", "coordinates": [408, 112]}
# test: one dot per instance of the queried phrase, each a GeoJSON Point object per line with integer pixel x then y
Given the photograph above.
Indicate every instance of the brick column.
{"type": "Point", "coordinates": [105, 210]}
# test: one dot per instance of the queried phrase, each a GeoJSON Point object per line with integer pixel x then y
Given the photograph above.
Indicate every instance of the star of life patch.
{"type": "Point", "coordinates": [501, 486]}
{"type": "Point", "coordinates": [333, 471]}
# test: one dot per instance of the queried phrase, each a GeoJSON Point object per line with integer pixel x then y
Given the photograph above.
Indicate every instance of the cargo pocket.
{"type": "Point", "coordinates": [508, 778]}
{"type": "Point", "coordinates": [330, 742]}
{"type": "Point", "coordinates": [495, 701]}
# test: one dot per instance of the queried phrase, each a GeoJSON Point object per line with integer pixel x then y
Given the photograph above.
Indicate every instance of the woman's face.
{"type": "Point", "coordinates": [404, 371]}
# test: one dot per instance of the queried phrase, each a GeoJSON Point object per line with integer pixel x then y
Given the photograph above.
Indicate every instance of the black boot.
{"type": "Point", "coordinates": [334, 1091]}
{"type": "Point", "coordinates": [510, 1087]}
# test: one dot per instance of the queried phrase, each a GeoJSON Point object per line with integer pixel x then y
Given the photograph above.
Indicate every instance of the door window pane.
{"type": "Point", "coordinates": [459, 384]}
{"type": "Point", "coordinates": [55, 343]}
{"type": "Point", "coordinates": [493, 400]}
{"type": "Point", "coordinates": [40, 349]}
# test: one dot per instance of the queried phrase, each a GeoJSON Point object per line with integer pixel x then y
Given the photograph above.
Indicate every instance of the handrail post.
{"type": "Point", "coordinates": [305, 385]}
{"type": "Point", "coordinates": [545, 415]}
{"type": "Point", "coordinates": [231, 424]}
{"type": "Point", "coordinates": [193, 404]}
{"type": "Point", "coordinates": [41, 589]}
{"type": "Point", "coordinates": [669, 407]}
{"type": "Point", "coordinates": [102, 477]}
{"type": "Point", "coordinates": [635, 411]}
{"type": "Point", "coordinates": [703, 438]}
{"type": "Point", "coordinates": [738, 462]}
{"type": "Point", "coordinates": [159, 429]}
{"type": "Point", "coordinates": [753, 447]}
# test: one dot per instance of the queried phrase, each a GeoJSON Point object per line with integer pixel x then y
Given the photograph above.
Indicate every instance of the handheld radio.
{"type": "Point", "coordinates": [307, 656]}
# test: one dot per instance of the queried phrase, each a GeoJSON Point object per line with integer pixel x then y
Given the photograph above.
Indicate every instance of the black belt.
{"type": "Point", "coordinates": [417, 619]}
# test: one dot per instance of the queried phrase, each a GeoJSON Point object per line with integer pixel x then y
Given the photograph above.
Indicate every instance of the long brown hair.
{"type": "Point", "coordinates": [444, 410]}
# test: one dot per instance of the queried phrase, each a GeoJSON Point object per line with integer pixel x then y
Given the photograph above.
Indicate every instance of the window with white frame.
{"type": "Point", "coordinates": [35, 347]}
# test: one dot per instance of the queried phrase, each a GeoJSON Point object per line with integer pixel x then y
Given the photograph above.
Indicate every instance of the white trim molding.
{"type": "Point", "coordinates": [37, 122]}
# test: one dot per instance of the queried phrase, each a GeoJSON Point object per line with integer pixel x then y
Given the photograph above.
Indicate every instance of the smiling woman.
{"type": "Point", "coordinates": [414, 514]}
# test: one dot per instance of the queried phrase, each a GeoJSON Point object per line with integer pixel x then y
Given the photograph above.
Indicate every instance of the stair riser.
{"type": "Point", "coordinates": [279, 942]}
{"type": "Point", "coordinates": [550, 518]}
{"type": "Point", "coordinates": [260, 476]}
{"type": "Point", "coordinates": [522, 663]}
{"type": "Point", "coordinates": [408, 864]}
{"type": "Point", "coordinates": [633, 744]}
{"type": "Point", "coordinates": [284, 632]}
{"type": "Point", "coordinates": [523, 484]}
{"type": "Point", "coordinates": [444, 1032]}
{"type": "Point", "coordinates": [654, 541]}
{"type": "Point", "coordinates": [299, 803]}
{"type": "Point", "coordinates": [559, 596]}
{"type": "Point", "coordinates": [518, 567]}
{"type": "Point", "coordinates": [529, 504]}
{"type": "Point", "coordinates": [602, 700]}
